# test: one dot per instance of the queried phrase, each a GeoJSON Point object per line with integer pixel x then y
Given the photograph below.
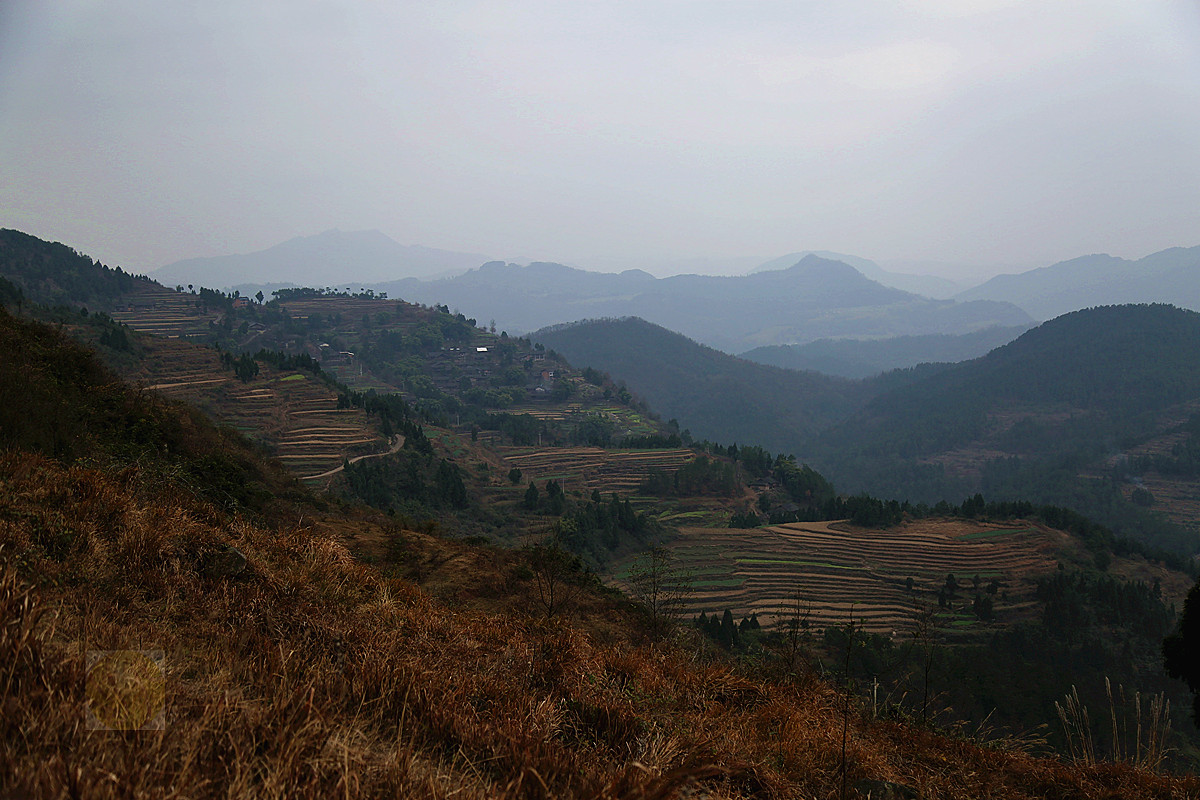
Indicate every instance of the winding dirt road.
{"type": "Point", "coordinates": [394, 448]}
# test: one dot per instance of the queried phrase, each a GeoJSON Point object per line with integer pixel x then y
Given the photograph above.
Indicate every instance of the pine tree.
{"type": "Point", "coordinates": [728, 637]}
{"type": "Point", "coordinates": [531, 497]}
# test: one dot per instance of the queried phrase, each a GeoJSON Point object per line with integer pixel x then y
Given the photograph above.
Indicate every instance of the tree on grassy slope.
{"type": "Point", "coordinates": [1181, 650]}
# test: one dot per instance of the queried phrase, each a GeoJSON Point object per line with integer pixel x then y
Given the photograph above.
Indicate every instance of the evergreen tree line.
{"type": "Point", "coordinates": [802, 484]}
{"type": "Point", "coordinates": [308, 292]}
{"type": "Point", "coordinates": [592, 528]}
{"type": "Point", "coordinates": [243, 366]}
{"type": "Point", "coordinates": [286, 361]}
{"type": "Point", "coordinates": [724, 631]}
{"type": "Point", "coordinates": [52, 274]}
{"type": "Point", "coordinates": [523, 429]}
{"type": "Point", "coordinates": [409, 482]}
{"type": "Point", "coordinates": [395, 416]}
{"type": "Point", "coordinates": [869, 512]}
{"type": "Point", "coordinates": [657, 441]}
{"type": "Point", "coordinates": [1078, 601]}
{"type": "Point", "coordinates": [701, 476]}
{"type": "Point", "coordinates": [1183, 461]}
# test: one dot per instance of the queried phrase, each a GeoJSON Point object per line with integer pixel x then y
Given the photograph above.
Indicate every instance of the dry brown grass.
{"type": "Point", "coordinates": [312, 675]}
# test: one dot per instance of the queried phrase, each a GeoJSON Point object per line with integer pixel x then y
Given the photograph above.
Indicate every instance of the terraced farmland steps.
{"type": "Point", "coordinates": [839, 568]}
{"type": "Point", "coordinates": [595, 467]}
{"type": "Point", "coordinates": [293, 413]}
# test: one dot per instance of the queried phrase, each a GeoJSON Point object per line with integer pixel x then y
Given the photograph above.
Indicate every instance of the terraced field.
{"type": "Point", "coordinates": [838, 567]}
{"type": "Point", "coordinates": [351, 308]}
{"type": "Point", "coordinates": [295, 415]}
{"type": "Point", "coordinates": [164, 312]}
{"type": "Point", "coordinates": [1176, 496]}
{"type": "Point", "coordinates": [589, 468]}
{"type": "Point", "coordinates": [628, 421]}
{"type": "Point", "coordinates": [556, 414]}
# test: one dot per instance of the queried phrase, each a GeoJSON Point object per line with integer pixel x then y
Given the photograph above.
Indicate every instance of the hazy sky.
{"type": "Point", "coordinates": [605, 133]}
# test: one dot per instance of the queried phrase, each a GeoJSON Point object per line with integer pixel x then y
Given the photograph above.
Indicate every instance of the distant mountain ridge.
{"type": "Point", "coordinates": [925, 285]}
{"type": "Point", "coordinates": [1168, 276]}
{"type": "Point", "coordinates": [332, 258]}
{"type": "Point", "coordinates": [812, 299]}
{"type": "Point", "coordinates": [863, 358]}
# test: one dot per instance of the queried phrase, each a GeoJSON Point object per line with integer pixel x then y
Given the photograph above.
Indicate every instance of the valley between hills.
{"type": "Point", "coordinates": [380, 547]}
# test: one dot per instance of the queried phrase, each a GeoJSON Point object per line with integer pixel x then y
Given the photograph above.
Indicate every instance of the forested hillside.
{"type": "Point", "coordinates": [716, 396]}
{"type": "Point", "coordinates": [52, 273]}
{"type": "Point", "coordinates": [1043, 418]}
{"type": "Point", "coordinates": [1037, 419]}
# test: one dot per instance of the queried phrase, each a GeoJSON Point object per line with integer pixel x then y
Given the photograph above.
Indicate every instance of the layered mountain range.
{"type": "Point", "coordinates": [812, 299]}
{"type": "Point", "coordinates": [795, 299]}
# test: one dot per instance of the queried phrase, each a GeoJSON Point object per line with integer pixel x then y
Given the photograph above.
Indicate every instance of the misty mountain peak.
{"type": "Point", "coordinates": [815, 263]}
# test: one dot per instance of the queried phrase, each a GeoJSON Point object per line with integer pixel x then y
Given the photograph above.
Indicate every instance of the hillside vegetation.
{"type": "Point", "coordinates": [472, 436]}
{"type": "Point", "coordinates": [52, 273]}
{"type": "Point", "coordinates": [1056, 416]}
{"type": "Point", "coordinates": [1035, 419]}
{"type": "Point", "coordinates": [717, 396]}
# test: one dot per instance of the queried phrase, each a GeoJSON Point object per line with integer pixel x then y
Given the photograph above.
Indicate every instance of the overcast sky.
{"type": "Point", "coordinates": [605, 134]}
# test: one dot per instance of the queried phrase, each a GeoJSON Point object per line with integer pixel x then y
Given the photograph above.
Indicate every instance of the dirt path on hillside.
{"type": "Point", "coordinates": [394, 448]}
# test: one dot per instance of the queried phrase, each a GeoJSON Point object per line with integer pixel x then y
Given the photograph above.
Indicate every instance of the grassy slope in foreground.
{"type": "Point", "coordinates": [312, 675]}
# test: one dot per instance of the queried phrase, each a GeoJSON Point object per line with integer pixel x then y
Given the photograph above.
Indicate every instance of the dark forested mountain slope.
{"type": "Point", "coordinates": [54, 274]}
{"type": "Point", "coordinates": [1122, 361]}
{"type": "Point", "coordinates": [1044, 418]}
{"type": "Point", "coordinates": [715, 395]}
{"type": "Point", "coordinates": [1063, 400]}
